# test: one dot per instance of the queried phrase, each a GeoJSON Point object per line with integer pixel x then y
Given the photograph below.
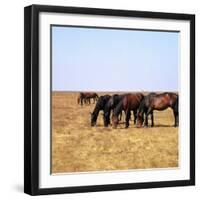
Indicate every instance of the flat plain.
{"type": "Point", "coordinates": [78, 147]}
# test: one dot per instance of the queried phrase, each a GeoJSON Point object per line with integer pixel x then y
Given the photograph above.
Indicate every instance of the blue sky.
{"type": "Point", "coordinates": [94, 59]}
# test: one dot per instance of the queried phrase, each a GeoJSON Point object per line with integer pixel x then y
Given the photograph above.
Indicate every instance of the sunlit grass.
{"type": "Point", "coordinates": [78, 147]}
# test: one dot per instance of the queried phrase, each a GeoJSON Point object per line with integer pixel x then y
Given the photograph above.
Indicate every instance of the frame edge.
{"type": "Point", "coordinates": [192, 99]}
{"type": "Point", "coordinates": [27, 99]}
{"type": "Point", "coordinates": [31, 100]}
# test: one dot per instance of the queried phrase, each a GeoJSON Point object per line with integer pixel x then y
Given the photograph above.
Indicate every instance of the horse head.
{"type": "Point", "coordinates": [140, 120]}
{"type": "Point", "coordinates": [115, 121]}
{"type": "Point", "coordinates": [93, 119]}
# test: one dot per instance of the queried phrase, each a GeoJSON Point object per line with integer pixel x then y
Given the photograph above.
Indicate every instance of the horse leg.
{"type": "Point", "coordinates": [109, 117]}
{"type": "Point", "coordinates": [152, 119]}
{"type": "Point", "coordinates": [106, 118]}
{"type": "Point", "coordinates": [128, 114]}
{"type": "Point", "coordinates": [120, 116]}
{"type": "Point", "coordinates": [135, 116]}
{"type": "Point", "coordinates": [146, 117]}
{"type": "Point", "coordinates": [176, 123]}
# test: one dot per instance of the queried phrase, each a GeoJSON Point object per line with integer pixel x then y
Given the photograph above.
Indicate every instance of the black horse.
{"type": "Point", "coordinates": [111, 105]}
{"type": "Point", "coordinates": [100, 105]}
{"type": "Point", "coordinates": [142, 110]}
{"type": "Point", "coordinates": [159, 102]}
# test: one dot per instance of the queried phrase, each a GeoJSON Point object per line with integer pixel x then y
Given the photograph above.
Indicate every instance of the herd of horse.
{"type": "Point", "coordinates": [139, 104]}
{"type": "Point", "coordinates": [85, 97]}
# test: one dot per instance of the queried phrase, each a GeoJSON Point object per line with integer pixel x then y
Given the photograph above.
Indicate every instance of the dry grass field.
{"type": "Point", "coordinates": [78, 147]}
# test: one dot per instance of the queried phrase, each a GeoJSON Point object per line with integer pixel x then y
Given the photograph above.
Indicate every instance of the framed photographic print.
{"type": "Point", "coordinates": [109, 99]}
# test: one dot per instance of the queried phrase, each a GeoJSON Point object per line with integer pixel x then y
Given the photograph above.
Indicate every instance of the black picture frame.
{"type": "Point", "coordinates": [31, 98]}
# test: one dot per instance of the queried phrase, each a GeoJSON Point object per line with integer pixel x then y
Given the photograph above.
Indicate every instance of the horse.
{"type": "Point", "coordinates": [130, 102]}
{"type": "Point", "coordinates": [110, 105]}
{"type": "Point", "coordinates": [158, 102]}
{"type": "Point", "coordinates": [100, 105]}
{"type": "Point", "coordinates": [86, 96]}
{"type": "Point", "coordinates": [143, 109]}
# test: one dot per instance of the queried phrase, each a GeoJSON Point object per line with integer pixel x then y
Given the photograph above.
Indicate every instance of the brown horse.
{"type": "Point", "coordinates": [158, 102]}
{"type": "Point", "coordinates": [130, 102]}
{"type": "Point", "coordinates": [84, 97]}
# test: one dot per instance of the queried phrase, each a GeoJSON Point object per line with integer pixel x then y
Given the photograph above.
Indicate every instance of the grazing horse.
{"type": "Point", "coordinates": [130, 102]}
{"type": "Point", "coordinates": [158, 102]}
{"type": "Point", "coordinates": [142, 109]}
{"type": "Point", "coordinates": [100, 105]}
{"type": "Point", "coordinates": [110, 105]}
{"type": "Point", "coordinates": [86, 96]}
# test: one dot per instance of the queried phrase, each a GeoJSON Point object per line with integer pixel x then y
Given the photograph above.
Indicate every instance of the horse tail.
{"type": "Point", "coordinates": [79, 98]}
{"type": "Point", "coordinates": [176, 104]}
{"type": "Point", "coordinates": [142, 97]}
{"type": "Point", "coordinates": [141, 106]}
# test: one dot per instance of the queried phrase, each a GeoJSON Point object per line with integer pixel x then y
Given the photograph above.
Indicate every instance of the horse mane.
{"type": "Point", "coordinates": [141, 108]}
{"type": "Point", "coordinates": [118, 108]}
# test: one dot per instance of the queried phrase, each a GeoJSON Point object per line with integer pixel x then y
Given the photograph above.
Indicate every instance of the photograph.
{"type": "Point", "coordinates": [114, 99]}
{"type": "Point", "coordinates": [109, 99]}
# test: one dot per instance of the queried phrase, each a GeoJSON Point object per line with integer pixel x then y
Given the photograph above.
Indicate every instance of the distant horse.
{"type": "Point", "coordinates": [100, 105]}
{"type": "Point", "coordinates": [130, 102]}
{"type": "Point", "coordinates": [158, 102]}
{"type": "Point", "coordinates": [111, 105]}
{"type": "Point", "coordinates": [86, 96]}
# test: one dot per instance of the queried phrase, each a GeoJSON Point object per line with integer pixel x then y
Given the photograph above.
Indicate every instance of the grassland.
{"type": "Point", "coordinates": [78, 147]}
